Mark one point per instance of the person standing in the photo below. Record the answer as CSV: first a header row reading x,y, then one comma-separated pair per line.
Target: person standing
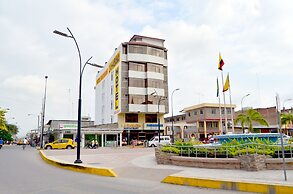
x,y
24,143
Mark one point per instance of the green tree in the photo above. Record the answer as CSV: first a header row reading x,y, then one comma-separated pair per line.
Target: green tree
x,y
2,120
286,118
249,117
12,129
5,135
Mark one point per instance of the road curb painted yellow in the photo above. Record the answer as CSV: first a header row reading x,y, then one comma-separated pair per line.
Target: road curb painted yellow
x,y
79,168
230,185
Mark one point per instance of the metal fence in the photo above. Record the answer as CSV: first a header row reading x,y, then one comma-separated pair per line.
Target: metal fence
x,y
219,151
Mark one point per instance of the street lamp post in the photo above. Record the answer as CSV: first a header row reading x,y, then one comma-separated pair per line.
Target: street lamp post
x,y
43,114
242,101
38,124
159,122
172,139
81,69
242,107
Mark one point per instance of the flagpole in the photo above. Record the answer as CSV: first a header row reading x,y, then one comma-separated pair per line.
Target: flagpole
x,y
225,111
221,127
231,106
218,95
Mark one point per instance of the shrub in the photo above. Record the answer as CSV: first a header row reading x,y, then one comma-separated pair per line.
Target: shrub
x,y
170,149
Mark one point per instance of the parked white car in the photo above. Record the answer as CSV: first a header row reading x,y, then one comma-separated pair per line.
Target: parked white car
x,y
164,140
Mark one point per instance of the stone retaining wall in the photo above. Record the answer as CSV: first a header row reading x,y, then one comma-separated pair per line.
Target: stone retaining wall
x,y
251,162
277,163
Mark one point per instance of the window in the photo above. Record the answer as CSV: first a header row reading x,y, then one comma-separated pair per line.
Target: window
x,y
136,82
151,118
137,49
214,111
112,75
137,99
124,51
147,50
209,124
215,124
131,118
195,112
229,111
136,66
189,114
155,52
154,83
200,124
155,68
201,111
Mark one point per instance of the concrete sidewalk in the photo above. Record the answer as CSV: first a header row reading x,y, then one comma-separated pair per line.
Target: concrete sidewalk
x,y
140,163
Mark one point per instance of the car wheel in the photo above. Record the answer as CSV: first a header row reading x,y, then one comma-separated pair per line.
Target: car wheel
x,y
69,147
48,148
153,145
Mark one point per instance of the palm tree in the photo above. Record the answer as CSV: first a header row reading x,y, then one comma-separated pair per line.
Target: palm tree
x,y
249,117
286,118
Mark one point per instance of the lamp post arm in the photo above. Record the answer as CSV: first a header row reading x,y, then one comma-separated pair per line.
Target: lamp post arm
x,y
85,65
77,49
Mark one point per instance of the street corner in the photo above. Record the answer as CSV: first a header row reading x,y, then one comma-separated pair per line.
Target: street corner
x,y
78,167
229,185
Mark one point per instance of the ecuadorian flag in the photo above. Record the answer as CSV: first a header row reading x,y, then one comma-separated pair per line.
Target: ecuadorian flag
x,y
221,62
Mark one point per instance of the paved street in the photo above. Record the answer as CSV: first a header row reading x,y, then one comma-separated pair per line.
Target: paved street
x,y
25,172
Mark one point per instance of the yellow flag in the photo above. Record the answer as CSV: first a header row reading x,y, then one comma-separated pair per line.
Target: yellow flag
x,y
227,84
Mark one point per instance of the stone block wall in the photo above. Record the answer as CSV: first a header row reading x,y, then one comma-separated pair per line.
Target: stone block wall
x,y
216,163
250,162
253,162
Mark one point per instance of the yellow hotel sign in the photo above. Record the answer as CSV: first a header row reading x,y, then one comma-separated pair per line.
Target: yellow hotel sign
x,y
110,68
116,88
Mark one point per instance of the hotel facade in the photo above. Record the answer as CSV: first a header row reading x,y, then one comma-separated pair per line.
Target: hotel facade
x,y
131,91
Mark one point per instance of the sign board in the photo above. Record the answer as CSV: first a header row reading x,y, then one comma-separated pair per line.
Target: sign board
x,y
132,126
67,126
153,125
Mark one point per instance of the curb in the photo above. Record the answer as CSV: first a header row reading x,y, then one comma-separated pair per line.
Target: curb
x,y
230,185
79,168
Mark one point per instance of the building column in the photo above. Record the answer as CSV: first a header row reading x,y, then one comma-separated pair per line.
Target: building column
x,y
220,127
102,141
116,144
182,131
205,128
197,125
120,139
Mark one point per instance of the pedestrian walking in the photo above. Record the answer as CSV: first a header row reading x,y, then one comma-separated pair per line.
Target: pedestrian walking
x,y
24,143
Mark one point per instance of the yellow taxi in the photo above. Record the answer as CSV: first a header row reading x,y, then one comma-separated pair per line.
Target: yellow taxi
x,y
63,143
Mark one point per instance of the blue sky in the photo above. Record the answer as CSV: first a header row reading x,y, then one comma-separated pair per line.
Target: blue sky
x,y
254,38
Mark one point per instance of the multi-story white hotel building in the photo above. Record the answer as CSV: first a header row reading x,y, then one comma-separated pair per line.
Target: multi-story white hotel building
x,y
129,87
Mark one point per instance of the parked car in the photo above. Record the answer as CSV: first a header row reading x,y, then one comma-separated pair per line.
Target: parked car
x,y
164,140
63,143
